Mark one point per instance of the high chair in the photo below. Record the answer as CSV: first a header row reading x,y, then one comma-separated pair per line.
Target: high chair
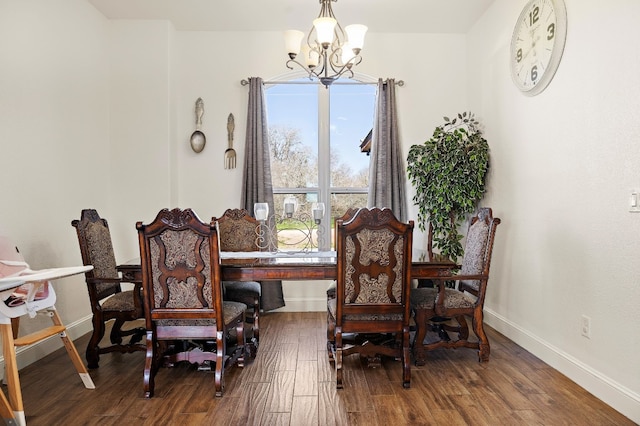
x,y
38,297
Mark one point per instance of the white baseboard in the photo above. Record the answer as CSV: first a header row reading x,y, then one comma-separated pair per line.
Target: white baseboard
x,y
603,387
307,304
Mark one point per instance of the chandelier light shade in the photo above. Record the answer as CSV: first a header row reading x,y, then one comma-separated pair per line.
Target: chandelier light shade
x,y
328,51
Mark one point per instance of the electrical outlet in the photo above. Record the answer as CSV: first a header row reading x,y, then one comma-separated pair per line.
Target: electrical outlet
x,y
586,326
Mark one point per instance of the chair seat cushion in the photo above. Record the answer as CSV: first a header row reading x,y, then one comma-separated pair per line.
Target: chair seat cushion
x,y
332,308
119,302
425,298
242,291
230,311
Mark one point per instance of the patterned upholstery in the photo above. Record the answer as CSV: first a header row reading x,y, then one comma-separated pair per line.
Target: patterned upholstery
x,y
425,298
181,248
103,281
475,250
373,287
332,307
100,249
331,289
237,231
431,304
472,264
183,294
375,248
230,311
120,302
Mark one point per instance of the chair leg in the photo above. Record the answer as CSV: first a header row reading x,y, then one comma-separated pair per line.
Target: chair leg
x,y
419,352
149,365
256,319
116,332
338,358
331,340
220,351
463,331
241,343
93,349
406,360
483,341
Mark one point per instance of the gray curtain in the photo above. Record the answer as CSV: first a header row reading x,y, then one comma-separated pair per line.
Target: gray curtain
x,y
387,178
256,181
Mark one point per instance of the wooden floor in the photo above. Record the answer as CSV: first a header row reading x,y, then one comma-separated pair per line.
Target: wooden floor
x,y
291,382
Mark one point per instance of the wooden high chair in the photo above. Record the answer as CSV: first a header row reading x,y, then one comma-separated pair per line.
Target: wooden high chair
x,y
12,410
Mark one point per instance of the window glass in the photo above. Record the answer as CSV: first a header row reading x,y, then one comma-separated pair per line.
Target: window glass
x,y
315,137
351,121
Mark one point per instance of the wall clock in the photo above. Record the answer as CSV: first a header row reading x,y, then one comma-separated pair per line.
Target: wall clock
x,y
537,44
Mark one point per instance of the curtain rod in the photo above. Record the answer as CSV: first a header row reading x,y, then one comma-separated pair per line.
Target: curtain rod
x,y
245,82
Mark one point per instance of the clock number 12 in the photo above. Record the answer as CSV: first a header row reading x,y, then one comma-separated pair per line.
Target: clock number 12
x,y
533,15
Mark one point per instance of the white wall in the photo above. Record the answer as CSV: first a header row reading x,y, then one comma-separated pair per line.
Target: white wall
x,y
143,172
563,165
54,136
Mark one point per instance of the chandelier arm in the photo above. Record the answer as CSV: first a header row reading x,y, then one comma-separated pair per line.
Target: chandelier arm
x,y
311,71
341,69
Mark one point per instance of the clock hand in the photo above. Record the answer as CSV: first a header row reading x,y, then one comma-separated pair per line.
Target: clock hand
x,y
532,48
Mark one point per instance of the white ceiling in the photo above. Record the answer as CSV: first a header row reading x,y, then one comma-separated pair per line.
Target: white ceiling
x,y
396,16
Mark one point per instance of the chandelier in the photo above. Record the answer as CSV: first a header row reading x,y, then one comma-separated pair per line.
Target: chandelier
x,y
329,51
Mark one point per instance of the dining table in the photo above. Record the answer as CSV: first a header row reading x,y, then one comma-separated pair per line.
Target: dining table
x,y
297,266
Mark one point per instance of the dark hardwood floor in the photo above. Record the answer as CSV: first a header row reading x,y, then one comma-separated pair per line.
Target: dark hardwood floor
x,y
292,383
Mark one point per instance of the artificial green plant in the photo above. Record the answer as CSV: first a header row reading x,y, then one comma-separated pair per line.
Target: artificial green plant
x,y
448,172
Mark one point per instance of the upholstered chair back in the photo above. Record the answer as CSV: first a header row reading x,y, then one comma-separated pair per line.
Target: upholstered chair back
x,y
476,253
374,260
238,231
97,249
181,271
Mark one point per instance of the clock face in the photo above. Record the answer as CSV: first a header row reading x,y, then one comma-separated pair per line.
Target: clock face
x,y
537,44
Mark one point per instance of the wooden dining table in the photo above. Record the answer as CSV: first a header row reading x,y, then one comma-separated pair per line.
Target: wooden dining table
x,y
297,266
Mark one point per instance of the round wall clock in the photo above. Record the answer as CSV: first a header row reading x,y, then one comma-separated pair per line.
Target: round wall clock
x,y
537,44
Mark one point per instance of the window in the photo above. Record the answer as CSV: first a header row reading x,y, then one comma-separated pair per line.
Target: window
x,y
315,136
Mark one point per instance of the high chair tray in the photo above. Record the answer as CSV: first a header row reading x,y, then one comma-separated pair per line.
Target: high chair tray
x,y
42,275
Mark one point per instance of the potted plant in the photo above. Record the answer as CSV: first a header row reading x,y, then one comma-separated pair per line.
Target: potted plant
x,y
448,172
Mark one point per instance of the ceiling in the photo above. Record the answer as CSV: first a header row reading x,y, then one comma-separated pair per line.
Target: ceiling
x,y
391,16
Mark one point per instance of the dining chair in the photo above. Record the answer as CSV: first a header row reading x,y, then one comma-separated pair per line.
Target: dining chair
x,y
183,300
432,306
351,211
372,288
331,290
106,296
238,233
